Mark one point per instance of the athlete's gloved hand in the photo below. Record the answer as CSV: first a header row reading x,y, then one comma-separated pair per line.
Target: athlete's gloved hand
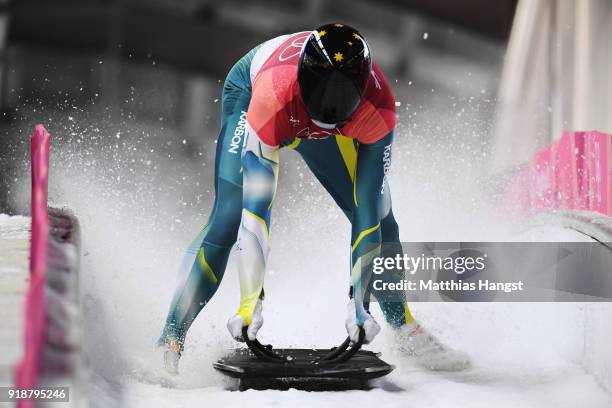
x,y
370,326
236,323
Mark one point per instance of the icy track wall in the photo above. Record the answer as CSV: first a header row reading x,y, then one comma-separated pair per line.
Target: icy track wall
x,y
569,184
591,321
52,340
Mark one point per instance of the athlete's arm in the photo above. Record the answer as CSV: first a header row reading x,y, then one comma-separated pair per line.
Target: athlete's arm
x,y
373,162
260,174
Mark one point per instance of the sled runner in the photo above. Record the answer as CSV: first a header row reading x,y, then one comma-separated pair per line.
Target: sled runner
x,y
339,368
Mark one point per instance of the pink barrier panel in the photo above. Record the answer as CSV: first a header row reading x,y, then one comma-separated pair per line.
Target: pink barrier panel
x,y
27,372
574,173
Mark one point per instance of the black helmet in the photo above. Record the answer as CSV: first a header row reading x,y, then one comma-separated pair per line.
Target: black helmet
x,y
333,72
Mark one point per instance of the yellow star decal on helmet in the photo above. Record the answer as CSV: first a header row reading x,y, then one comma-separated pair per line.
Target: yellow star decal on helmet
x,y
322,33
339,25
338,56
357,36
350,43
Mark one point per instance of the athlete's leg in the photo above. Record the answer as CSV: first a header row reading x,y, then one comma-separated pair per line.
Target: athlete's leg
x,y
332,161
333,168
396,313
204,263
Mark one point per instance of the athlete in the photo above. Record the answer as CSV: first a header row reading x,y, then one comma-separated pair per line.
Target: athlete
x,y
319,93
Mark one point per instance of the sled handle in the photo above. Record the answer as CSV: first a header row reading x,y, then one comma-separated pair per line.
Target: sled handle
x,y
262,352
336,351
342,353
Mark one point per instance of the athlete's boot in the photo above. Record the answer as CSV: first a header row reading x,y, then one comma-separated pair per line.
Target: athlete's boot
x,y
422,346
171,354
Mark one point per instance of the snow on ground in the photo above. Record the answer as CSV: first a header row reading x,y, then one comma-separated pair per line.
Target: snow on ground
x,y
514,365
14,247
547,387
